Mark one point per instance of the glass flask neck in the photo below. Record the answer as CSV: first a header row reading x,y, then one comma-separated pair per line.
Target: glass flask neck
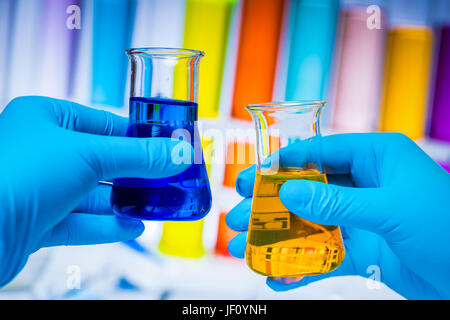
x,y
167,73
279,125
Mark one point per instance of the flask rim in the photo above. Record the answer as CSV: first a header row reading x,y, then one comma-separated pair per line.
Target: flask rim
x,y
284,105
165,52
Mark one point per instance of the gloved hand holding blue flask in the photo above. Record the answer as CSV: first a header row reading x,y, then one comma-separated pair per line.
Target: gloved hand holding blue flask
x,y
53,153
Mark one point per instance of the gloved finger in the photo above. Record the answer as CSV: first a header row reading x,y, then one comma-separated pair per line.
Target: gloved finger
x,y
97,201
363,208
237,245
346,268
321,150
335,153
238,217
309,153
111,157
245,182
73,116
350,154
84,229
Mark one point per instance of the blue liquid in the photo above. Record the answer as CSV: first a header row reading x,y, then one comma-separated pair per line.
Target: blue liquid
x,y
186,196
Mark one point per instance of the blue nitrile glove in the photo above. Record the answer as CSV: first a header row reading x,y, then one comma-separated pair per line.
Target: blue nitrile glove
x,y
391,200
52,155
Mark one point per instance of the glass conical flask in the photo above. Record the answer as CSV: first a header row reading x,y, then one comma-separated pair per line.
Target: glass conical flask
x,y
164,85
279,243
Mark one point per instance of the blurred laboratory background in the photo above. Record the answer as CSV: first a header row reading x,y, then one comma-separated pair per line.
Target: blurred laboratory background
x,y
380,65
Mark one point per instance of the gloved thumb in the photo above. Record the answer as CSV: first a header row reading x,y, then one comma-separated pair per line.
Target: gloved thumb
x,y
362,208
153,158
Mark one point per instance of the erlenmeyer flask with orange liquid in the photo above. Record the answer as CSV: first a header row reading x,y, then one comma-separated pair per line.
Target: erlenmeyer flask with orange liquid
x,y
279,243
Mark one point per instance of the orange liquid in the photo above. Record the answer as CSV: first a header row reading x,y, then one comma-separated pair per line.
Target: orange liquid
x,y
240,156
257,55
224,235
281,244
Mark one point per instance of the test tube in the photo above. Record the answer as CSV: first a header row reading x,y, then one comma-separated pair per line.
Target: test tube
x,y
182,239
186,239
407,69
6,24
206,29
239,156
439,127
55,70
257,54
445,165
312,29
359,65
26,39
224,235
80,89
113,23
208,153
158,23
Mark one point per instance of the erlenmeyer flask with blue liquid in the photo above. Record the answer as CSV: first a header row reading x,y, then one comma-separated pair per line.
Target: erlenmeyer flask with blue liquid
x,y
163,103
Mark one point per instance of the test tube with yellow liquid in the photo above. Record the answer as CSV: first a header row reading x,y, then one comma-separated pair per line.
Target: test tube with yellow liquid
x,y
408,65
206,28
280,243
185,238
408,62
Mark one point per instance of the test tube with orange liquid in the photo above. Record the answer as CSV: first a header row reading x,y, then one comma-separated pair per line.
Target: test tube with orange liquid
x,y
261,26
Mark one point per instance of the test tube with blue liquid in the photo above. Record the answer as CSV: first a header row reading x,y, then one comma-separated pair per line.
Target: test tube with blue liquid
x,y
163,101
